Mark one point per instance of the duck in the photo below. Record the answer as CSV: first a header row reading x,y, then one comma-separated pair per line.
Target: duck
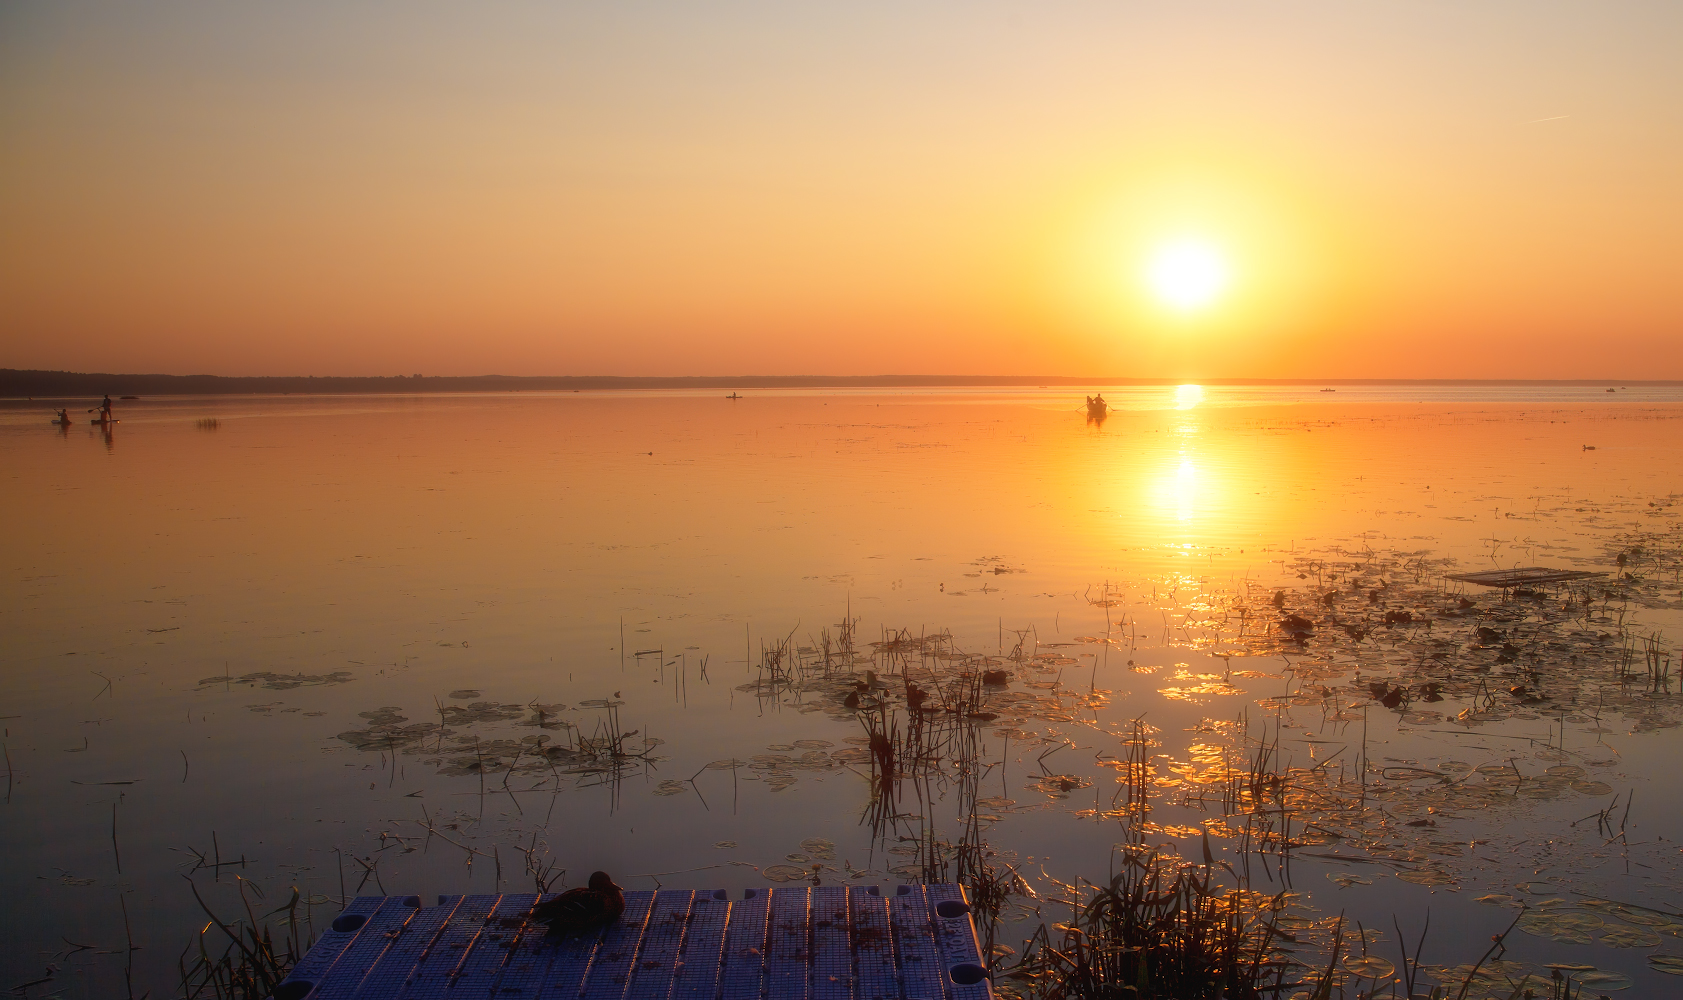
x,y
601,903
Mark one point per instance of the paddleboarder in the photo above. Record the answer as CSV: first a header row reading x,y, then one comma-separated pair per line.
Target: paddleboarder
x,y
105,410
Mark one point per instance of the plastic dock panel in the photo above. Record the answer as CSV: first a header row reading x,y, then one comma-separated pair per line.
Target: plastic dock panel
x,y
788,945
921,975
873,947
308,974
955,937
663,940
832,959
616,953
354,964
490,950
700,960
393,970
535,952
743,974
437,972
572,956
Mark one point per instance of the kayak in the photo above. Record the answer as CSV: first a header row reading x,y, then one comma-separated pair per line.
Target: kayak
x,y
63,423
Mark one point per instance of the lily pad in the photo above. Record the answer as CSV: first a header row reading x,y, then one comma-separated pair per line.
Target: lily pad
x,y
1497,899
1643,917
1602,979
1369,967
1629,937
1571,927
1671,965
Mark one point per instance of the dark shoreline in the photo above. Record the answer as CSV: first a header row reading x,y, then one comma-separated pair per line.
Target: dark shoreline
x,y
20,383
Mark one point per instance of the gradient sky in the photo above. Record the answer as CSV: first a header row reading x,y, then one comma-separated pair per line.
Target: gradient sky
x,y
1401,189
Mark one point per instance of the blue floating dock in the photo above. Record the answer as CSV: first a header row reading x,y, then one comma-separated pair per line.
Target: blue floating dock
x,y
915,942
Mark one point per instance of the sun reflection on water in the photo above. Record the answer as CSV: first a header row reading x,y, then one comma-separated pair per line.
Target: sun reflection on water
x,y
1188,396
1185,488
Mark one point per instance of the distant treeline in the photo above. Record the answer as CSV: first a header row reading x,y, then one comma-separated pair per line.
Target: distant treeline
x,y
23,382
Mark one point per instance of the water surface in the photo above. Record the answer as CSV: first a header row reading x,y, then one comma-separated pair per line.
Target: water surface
x,y
201,617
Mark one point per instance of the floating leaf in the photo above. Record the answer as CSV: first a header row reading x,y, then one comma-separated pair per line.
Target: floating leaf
x,y
725,845
784,873
1629,937
1496,899
1369,967
1571,927
1428,876
1631,915
1602,979
1671,965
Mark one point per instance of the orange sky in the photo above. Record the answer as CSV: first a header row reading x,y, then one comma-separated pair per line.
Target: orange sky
x,y
1420,189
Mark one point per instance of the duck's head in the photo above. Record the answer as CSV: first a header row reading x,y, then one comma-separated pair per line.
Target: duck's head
x,y
602,881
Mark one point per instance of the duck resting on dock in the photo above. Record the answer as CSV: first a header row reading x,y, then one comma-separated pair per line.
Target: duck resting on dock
x,y
582,909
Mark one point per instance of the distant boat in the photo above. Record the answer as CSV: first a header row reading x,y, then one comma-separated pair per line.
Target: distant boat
x,y
738,396
1612,390
128,397
1329,390
1097,407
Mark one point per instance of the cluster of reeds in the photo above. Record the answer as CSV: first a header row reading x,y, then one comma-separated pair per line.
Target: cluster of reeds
x,y
252,961
1159,928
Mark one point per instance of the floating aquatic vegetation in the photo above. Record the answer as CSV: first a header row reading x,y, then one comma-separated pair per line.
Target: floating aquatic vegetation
x,y
448,745
1059,785
1574,928
271,681
1671,965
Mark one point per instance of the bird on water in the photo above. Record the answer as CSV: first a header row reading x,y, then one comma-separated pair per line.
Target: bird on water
x,y
602,902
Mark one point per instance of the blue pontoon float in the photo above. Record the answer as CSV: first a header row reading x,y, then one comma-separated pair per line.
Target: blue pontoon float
x,y
913,942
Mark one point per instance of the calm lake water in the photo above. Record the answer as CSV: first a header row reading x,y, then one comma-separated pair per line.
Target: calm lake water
x,y
224,618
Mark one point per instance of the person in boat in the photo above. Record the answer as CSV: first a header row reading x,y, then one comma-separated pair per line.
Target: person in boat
x,y
63,418
105,409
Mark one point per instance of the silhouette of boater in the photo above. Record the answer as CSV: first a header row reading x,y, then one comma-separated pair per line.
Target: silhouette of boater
x,y
582,909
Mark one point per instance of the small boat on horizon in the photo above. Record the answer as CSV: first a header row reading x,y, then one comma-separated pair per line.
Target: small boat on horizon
x,y
1097,408
734,396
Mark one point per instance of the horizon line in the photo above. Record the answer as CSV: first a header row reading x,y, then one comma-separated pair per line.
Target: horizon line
x,y
38,383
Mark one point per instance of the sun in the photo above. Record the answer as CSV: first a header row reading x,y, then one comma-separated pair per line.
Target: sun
x,y
1187,275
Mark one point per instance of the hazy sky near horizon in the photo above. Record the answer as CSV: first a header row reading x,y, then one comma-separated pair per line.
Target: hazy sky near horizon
x,y
1392,189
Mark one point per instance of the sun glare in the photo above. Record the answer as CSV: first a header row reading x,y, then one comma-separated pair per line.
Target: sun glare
x,y
1187,275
